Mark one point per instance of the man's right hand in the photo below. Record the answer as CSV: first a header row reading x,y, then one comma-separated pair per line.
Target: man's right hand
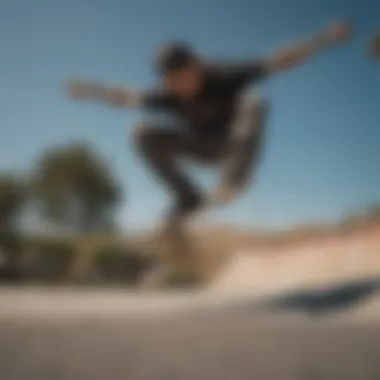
x,y
114,96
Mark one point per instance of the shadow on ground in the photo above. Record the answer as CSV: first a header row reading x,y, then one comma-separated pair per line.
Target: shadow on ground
x,y
331,299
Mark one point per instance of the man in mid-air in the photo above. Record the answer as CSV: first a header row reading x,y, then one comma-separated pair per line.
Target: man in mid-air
x,y
374,47
213,119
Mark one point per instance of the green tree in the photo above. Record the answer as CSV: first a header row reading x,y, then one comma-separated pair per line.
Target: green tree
x,y
12,197
75,189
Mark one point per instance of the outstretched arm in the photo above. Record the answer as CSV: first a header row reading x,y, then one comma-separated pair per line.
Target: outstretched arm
x,y
375,46
114,96
299,52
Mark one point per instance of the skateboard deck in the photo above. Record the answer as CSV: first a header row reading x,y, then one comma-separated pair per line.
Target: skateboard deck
x,y
177,266
180,252
178,241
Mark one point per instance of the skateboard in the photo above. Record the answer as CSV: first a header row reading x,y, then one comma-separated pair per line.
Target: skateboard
x,y
179,246
177,265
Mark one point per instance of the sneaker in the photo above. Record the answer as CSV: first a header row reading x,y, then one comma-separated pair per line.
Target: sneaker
x,y
183,209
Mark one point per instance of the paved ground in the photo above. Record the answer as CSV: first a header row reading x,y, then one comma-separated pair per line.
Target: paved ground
x,y
49,336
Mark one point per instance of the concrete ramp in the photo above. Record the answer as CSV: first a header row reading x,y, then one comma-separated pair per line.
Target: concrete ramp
x,y
306,264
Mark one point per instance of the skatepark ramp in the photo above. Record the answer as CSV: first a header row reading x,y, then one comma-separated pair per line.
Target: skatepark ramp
x,y
292,267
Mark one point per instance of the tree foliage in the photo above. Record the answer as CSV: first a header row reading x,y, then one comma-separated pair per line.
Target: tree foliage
x,y
12,197
75,189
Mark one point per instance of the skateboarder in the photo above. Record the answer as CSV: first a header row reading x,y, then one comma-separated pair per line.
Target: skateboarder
x,y
374,46
213,122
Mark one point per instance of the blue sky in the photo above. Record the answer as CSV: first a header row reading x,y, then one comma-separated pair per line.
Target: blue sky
x,y
323,147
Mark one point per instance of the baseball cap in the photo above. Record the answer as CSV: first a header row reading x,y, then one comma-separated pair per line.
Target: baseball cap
x,y
173,56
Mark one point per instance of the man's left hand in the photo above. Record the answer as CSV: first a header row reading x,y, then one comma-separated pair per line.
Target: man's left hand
x,y
338,32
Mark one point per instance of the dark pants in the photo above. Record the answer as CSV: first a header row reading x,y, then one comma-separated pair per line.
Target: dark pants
x,y
162,148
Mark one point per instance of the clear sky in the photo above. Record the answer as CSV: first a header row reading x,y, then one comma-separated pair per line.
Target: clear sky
x,y
323,148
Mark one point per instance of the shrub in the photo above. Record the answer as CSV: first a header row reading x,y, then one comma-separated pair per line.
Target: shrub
x,y
168,276
10,257
115,265
48,261
182,279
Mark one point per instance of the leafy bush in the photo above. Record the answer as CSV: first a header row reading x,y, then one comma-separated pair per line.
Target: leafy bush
x,y
183,279
115,265
48,261
165,276
10,257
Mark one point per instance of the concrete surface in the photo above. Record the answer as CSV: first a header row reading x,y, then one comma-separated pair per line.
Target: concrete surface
x,y
98,335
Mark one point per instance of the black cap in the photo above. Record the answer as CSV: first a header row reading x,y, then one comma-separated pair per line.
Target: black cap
x,y
173,56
